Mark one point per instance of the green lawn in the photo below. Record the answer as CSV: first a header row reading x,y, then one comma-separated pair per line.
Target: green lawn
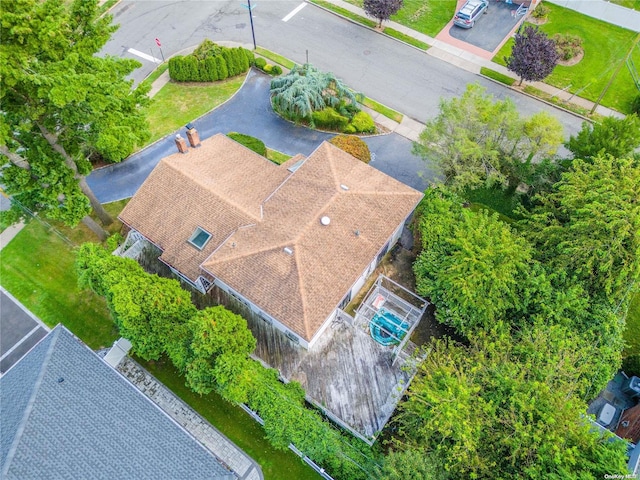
x,y
277,157
605,46
634,4
238,426
177,104
632,333
38,269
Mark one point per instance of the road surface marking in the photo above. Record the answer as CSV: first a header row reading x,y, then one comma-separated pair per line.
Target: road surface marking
x,y
25,338
144,55
294,11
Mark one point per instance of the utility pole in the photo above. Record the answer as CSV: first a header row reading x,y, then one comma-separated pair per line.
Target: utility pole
x,y
253,33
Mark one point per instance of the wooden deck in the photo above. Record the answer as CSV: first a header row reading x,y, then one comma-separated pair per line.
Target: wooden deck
x,y
347,374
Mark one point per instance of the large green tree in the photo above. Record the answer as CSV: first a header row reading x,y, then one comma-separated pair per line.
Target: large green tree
x,y
589,225
62,104
508,407
614,136
472,266
477,140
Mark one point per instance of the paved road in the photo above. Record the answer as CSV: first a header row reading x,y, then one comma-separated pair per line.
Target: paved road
x,y
402,77
249,112
20,330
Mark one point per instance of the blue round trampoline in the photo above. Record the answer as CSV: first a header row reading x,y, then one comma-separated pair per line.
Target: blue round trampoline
x,y
387,329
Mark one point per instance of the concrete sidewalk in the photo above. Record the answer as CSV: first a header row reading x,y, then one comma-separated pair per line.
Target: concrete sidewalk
x,y
471,62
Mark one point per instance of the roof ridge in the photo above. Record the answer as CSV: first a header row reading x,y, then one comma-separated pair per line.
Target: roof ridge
x,y
196,180
246,254
303,297
55,333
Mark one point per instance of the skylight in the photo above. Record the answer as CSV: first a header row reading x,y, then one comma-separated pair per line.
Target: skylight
x,y
199,238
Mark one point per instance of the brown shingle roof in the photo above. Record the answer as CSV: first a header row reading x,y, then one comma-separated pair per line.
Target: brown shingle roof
x,y
254,209
632,428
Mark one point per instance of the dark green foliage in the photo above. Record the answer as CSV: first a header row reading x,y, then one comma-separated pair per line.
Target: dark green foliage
x,y
250,142
503,408
211,348
361,123
250,56
413,464
330,119
615,136
353,146
276,70
260,62
631,365
635,105
210,62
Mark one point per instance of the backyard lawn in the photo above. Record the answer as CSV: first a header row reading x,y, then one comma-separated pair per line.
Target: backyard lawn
x,y
632,332
177,104
605,46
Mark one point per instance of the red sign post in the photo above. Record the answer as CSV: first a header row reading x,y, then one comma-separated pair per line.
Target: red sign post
x,y
160,47
158,42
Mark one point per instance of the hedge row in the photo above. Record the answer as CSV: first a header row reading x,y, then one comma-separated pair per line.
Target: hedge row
x,y
228,63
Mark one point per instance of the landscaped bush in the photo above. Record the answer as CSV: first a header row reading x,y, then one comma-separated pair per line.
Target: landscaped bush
x,y
276,70
267,68
260,62
353,146
210,62
252,143
540,12
568,46
361,123
329,118
635,105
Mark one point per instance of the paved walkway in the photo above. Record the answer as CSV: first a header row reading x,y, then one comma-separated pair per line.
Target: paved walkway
x,y
603,10
223,448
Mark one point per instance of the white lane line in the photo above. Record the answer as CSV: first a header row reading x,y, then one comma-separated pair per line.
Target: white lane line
x,y
294,11
24,339
144,55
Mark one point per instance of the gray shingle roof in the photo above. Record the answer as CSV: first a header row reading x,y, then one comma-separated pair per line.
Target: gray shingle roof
x,y
64,413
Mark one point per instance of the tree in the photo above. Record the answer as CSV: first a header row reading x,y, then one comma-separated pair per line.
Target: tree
x,y
533,56
476,140
472,266
220,347
590,225
508,407
353,145
381,10
305,89
413,464
61,104
617,137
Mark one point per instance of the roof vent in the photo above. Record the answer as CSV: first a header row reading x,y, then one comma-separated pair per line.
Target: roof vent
x,y
288,251
344,187
60,380
357,232
325,220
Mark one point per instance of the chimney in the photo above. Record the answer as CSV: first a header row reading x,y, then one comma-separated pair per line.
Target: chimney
x,y
192,135
181,144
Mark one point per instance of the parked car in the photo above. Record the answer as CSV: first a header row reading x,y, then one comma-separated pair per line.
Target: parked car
x,y
469,13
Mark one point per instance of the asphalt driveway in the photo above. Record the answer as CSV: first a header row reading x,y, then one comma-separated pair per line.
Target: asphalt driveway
x,y
490,29
250,112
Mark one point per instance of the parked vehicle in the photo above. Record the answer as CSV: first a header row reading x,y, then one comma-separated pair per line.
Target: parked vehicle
x,y
469,13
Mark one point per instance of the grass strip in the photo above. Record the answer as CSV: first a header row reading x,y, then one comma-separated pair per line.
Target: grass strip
x,y
235,424
177,104
345,13
406,38
106,6
274,57
632,331
153,76
497,76
561,103
277,157
382,109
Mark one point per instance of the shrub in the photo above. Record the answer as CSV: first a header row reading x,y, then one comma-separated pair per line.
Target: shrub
x,y
210,62
540,12
362,123
252,143
276,70
207,49
250,56
329,118
353,146
567,45
260,62
631,365
267,68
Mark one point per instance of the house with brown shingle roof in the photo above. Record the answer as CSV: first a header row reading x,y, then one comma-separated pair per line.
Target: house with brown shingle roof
x,y
293,242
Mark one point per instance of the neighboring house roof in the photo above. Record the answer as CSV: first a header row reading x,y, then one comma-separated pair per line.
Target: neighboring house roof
x,y
67,414
255,209
629,425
